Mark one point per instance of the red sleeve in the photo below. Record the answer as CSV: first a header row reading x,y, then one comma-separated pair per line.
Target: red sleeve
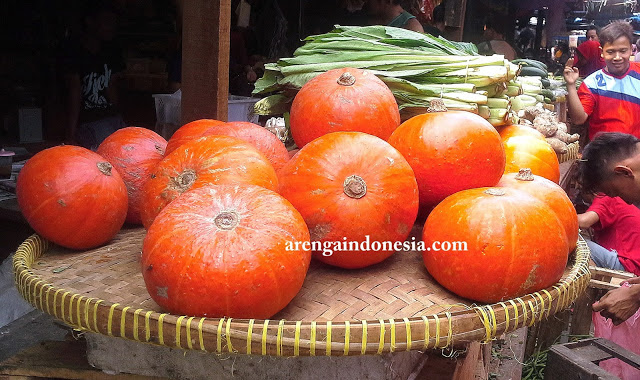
x,y
605,208
586,98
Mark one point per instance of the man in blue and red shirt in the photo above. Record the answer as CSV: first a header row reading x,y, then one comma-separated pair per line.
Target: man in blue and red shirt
x,y
610,97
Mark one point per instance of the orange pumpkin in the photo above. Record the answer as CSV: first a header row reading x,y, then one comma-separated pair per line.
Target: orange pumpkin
x,y
519,130
190,131
449,152
344,99
551,194
134,152
352,187
529,152
266,142
226,251
205,161
72,197
515,244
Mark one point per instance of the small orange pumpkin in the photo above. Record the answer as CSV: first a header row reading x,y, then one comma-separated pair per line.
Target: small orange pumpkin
x,y
344,99
515,244
208,160
551,194
450,151
188,132
519,130
529,152
350,187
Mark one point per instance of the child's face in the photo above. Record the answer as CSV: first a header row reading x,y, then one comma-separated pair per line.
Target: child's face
x,y
616,55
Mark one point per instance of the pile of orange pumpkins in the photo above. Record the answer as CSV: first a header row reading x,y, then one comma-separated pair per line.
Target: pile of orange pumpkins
x,y
230,216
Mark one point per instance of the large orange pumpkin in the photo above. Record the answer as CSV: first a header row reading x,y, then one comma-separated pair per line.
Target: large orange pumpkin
x,y
449,152
204,161
190,131
515,244
265,141
223,250
72,197
551,194
351,187
529,152
134,152
344,99
519,130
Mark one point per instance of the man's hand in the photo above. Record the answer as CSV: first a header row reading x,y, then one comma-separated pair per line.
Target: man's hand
x,y
620,304
570,73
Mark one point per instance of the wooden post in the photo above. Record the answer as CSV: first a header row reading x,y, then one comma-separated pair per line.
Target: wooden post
x,y
454,18
205,59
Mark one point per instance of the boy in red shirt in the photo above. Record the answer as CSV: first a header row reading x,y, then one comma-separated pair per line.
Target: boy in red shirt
x,y
610,97
617,230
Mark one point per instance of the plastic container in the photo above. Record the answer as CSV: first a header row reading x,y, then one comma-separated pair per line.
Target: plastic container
x,y
168,108
6,159
241,109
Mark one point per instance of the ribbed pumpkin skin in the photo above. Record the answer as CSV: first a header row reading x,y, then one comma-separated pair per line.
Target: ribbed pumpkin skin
x,y
190,131
191,266
515,245
313,181
323,106
67,199
519,130
266,142
208,160
551,194
449,152
134,152
529,152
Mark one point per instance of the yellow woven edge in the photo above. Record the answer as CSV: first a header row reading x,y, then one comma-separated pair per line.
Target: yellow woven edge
x,y
295,338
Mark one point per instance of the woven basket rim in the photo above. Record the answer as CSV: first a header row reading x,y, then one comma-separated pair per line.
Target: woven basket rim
x,y
295,338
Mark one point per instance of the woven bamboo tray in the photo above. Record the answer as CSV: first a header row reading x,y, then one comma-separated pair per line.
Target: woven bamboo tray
x,y
393,306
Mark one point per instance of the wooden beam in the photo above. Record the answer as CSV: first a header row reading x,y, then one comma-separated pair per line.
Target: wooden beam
x,y
454,18
205,59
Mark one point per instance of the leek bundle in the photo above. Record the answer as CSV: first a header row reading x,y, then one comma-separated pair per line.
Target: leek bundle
x,y
416,67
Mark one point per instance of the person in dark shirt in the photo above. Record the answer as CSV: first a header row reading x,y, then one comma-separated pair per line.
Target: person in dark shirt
x,y
438,22
391,13
93,65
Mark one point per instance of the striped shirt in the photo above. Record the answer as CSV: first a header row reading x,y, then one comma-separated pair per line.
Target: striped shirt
x,y
612,102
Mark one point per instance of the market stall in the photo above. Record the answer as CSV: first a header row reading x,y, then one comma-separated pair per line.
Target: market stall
x,y
394,307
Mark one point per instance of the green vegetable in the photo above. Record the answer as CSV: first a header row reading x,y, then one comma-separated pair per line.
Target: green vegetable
x,y
416,67
533,71
530,63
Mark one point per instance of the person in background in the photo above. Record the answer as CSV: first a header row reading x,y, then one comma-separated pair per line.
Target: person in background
x,y
616,226
437,22
637,56
610,164
391,13
494,40
610,97
93,67
588,58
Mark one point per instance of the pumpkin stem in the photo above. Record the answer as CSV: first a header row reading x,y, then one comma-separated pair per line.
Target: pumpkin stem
x,y
524,175
346,79
495,192
105,168
183,181
226,220
354,186
436,105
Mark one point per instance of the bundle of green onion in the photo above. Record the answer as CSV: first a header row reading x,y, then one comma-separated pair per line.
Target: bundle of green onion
x,y
417,68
